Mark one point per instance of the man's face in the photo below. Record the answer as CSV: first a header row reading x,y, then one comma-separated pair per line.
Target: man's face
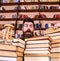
x,y
28,28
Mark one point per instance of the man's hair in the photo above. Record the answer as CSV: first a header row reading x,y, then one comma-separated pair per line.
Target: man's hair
x,y
28,20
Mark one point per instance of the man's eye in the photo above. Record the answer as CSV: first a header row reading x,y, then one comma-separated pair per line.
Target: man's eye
x,y
31,25
26,25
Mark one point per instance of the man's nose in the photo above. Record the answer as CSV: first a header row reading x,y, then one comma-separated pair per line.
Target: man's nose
x,y
28,27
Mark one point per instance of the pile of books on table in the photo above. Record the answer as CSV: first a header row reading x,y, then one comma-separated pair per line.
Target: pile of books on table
x,y
55,44
37,49
12,52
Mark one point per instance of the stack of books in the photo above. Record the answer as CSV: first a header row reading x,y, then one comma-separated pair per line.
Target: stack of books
x,y
20,48
19,42
55,44
7,53
55,48
14,52
37,49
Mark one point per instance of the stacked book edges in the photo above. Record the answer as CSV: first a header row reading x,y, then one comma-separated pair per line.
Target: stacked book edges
x,y
36,58
19,42
52,30
55,56
11,53
40,45
37,48
55,43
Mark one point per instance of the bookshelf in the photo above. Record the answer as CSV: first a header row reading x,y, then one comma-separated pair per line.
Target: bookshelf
x,y
17,20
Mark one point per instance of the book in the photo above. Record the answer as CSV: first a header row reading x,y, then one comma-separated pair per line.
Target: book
x,y
39,49
18,41
37,45
39,38
36,58
37,41
7,47
56,41
8,59
51,30
55,59
19,58
36,52
19,44
55,45
54,34
8,54
55,49
20,49
55,55
37,55
19,54
55,37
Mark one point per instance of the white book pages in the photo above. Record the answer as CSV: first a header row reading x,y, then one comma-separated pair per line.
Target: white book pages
x,y
55,45
38,41
54,34
19,40
36,59
57,49
36,52
19,44
37,45
37,49
8,59
55,37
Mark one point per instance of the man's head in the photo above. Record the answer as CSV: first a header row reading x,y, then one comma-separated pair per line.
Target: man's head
x,y
28,27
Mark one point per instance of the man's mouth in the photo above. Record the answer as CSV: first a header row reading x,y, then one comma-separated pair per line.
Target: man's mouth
x,y
28,32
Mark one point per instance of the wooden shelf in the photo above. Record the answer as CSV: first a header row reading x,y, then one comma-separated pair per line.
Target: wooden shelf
x,y
39,3
9,4
49,19
30,3
33,10
8,11
8,19
17,19
56,10
13,11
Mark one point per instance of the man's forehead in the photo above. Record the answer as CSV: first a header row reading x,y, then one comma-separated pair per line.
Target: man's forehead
x,y
28,23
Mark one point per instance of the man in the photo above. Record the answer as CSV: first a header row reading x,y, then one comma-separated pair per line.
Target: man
x,y
28,28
